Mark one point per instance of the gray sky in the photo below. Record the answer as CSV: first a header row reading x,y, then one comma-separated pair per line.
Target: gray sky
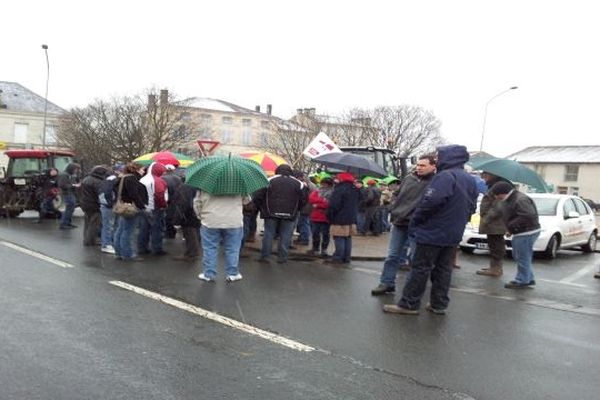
x,y
450,57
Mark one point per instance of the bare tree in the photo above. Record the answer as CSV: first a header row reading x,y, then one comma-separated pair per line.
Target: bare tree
x,y
123,128
405,129
288,139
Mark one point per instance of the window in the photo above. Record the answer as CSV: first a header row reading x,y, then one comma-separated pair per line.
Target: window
x,y
264,138
546,206
226,136
246,137
581,207
246,122
227,120
206,117
264,124
540,169
24,166
186,116
568,207
571,172
21,133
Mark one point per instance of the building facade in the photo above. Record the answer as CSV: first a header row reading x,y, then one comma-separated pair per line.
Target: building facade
x,y
569,169
22,119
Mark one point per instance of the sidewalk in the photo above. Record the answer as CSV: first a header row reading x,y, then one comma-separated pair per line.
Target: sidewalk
x,y
364,248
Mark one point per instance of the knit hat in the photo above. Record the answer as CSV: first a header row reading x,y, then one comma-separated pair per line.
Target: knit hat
x,y
501,188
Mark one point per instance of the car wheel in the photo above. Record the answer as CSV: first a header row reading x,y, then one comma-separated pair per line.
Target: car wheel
x,y
590,246
552,247
468,250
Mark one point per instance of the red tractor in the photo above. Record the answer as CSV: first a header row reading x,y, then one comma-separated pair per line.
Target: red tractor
x,y
20,186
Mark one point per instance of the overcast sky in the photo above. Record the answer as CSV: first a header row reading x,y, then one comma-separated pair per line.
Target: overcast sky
x,y
450,57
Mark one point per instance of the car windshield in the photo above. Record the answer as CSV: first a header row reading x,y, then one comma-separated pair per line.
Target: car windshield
x,y
24,166
546,206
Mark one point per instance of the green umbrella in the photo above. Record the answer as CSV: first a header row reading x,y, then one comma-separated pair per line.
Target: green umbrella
x,y
389,179
226,175
513,171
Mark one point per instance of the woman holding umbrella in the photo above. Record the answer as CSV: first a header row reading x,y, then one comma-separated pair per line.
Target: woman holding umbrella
x,y
342,211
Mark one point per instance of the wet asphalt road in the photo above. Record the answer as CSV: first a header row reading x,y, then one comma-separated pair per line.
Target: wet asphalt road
x,y
67,333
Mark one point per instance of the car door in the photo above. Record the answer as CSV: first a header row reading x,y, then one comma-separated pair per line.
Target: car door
x,y
571,227
587,218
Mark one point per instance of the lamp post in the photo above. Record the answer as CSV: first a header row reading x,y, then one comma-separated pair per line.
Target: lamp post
x,y
45,47
486,109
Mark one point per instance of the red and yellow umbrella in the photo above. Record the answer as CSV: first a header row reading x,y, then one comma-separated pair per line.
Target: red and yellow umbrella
x,y
267,161
165,157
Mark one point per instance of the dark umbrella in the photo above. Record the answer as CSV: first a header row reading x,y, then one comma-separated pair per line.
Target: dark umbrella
x,y
513,171
358,165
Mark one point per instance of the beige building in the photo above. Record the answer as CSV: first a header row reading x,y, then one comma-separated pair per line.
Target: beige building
x,y
569,169
22,119
238,129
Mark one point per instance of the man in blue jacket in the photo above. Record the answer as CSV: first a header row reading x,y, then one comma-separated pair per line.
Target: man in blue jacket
x,y
437,225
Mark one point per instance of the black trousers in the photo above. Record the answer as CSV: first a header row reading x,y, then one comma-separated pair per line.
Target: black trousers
x,y
433,262
497,250
92,224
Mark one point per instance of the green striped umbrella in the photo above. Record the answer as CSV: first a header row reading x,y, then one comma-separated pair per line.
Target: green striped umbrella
x,y
226,175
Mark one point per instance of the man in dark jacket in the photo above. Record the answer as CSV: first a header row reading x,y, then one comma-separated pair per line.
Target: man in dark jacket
x,y
173,182
492,225
522,222
67,183
183,215
90,203
437,225
279,204
410,194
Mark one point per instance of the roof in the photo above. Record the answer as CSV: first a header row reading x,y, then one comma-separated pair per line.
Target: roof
x,y
558,154
219,105
18,98
36,153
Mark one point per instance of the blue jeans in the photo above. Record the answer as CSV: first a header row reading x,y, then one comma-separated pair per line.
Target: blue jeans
x,y
108,220
151,226
70,201
211,239
397,248
122,239
522,251
304,228
433,262
285,228
360,222
385,216
343,248
320,236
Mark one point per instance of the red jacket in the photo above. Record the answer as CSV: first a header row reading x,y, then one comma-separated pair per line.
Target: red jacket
x,y
319,211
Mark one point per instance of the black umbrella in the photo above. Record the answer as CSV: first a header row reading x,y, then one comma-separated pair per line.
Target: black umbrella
x,y
358,165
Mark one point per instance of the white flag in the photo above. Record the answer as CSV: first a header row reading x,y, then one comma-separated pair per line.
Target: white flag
x,y
320,145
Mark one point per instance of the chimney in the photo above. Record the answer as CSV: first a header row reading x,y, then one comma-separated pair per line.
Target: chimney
x,y
298,111
164,98
257,108
269,109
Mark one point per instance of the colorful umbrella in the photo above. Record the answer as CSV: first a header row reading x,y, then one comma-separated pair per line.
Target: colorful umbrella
x,y
165,157
226,175
267,161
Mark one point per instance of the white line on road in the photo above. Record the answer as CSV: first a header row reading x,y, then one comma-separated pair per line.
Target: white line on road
x,y
579,274
564,283
216,317
37,255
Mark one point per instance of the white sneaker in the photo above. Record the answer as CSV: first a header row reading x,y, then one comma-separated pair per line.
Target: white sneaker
x,y
205,278
233,278
108,249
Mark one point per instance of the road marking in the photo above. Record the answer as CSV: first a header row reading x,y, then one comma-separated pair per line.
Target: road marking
x,y
272,337
37,255
564,283
579,274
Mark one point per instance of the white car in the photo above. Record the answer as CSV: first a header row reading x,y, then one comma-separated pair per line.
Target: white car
x,y
567,221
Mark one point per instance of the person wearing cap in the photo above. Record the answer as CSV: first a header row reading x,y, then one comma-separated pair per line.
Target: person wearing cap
x,y
520,216
437,225
319,201
492,225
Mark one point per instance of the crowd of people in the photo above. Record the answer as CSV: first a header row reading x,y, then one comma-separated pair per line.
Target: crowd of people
x,y
425,214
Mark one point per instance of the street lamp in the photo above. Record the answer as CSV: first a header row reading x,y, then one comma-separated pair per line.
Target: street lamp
x,y
45,47
486,109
